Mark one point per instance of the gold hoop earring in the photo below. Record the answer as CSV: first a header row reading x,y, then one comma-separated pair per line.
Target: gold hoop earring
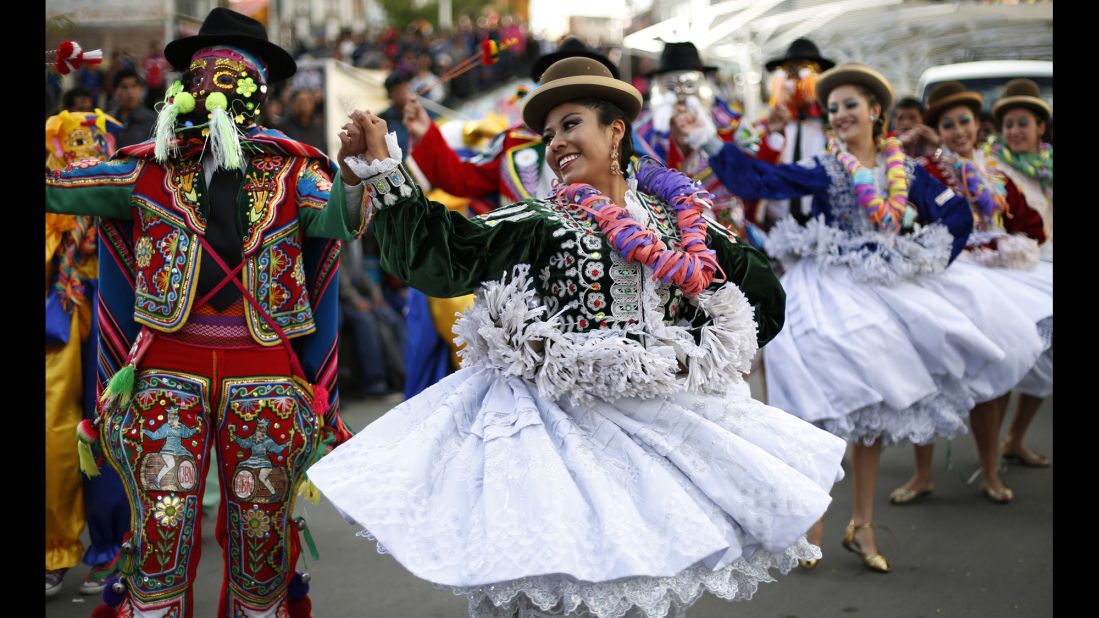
x,y
616,170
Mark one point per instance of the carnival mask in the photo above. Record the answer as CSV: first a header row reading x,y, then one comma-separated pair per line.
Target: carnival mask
x,y
218,98
72,136
688,88
795,85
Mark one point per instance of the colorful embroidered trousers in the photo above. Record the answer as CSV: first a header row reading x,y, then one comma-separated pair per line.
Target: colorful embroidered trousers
x,y
188,402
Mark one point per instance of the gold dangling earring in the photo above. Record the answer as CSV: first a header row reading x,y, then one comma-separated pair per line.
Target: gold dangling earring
x,y
616,170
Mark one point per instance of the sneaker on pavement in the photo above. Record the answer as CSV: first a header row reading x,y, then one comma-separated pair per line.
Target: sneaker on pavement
x,y
96,579
53,581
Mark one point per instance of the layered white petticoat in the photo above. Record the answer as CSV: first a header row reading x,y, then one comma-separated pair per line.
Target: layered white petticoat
x,y
882,340
1033,287
532,493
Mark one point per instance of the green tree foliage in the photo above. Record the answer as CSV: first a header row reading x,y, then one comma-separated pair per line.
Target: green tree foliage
x,y
403,12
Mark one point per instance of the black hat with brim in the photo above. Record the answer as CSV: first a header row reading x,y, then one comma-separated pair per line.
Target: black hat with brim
x,y
678,57
225,27
569,48
801,50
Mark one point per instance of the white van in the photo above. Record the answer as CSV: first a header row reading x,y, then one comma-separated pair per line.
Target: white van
x,y
989,77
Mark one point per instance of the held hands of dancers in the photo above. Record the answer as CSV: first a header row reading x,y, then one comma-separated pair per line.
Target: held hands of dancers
x,y
366,147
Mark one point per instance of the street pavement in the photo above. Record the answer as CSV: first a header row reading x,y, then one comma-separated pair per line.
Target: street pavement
x,y
953,554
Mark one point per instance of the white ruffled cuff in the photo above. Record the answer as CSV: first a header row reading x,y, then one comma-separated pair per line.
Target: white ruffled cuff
x,y
377,167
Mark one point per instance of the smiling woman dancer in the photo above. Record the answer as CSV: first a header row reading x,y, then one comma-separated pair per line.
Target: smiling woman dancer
x,y
1005,240
883,343
599,453
1021,154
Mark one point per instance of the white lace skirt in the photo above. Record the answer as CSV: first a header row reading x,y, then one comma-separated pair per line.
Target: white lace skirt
x,y
530,505
1032,291
903,362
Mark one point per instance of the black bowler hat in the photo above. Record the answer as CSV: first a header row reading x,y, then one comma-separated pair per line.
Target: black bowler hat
x,y
569,48
681,57
801,50
225,27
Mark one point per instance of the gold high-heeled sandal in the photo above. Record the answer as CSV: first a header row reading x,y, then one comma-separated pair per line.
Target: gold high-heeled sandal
x,y
808,565
1037,461
875,562
904,495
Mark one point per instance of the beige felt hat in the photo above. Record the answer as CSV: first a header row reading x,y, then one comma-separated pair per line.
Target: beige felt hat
x,y
948,95
855,73
577,78
1022,93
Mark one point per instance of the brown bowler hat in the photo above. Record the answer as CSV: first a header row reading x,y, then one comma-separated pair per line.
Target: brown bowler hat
x,y
946,96
858,74
1022,93
577,78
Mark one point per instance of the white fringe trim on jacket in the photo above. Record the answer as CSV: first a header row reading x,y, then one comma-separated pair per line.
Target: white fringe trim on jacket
x,y
506,329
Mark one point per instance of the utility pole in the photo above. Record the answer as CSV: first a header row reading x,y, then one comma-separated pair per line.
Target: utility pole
x,y
169,21
446,18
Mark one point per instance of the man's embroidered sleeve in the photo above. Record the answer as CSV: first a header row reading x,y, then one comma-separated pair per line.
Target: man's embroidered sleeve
x,y
93,187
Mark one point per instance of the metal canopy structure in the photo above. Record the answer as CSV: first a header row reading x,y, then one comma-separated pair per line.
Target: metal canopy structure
x,y
900,38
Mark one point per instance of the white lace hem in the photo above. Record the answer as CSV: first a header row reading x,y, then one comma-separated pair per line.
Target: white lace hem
x,y
871,257
941,415
651,597
1014,251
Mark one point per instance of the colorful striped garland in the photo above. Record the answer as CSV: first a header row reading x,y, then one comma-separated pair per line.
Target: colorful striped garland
x,y
691,268
887,213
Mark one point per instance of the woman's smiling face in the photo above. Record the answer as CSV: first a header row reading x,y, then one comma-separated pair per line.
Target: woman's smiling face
x,y
958,130
1022,130
849,113
578,147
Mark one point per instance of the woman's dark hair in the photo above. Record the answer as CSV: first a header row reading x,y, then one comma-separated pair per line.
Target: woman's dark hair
x,y
609,112
872,99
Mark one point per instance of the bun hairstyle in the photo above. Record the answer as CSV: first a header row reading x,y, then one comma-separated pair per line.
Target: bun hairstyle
x,y
609,112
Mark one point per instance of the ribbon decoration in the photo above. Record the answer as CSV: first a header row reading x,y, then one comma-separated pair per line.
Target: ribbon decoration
x,y
69,57
489,54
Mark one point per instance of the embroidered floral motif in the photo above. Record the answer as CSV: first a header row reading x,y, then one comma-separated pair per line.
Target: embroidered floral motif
x,y
169,511
299,271
143,252
267,163
594,270
246,87
257,524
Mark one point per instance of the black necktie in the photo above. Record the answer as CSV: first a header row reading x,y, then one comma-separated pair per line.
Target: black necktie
x,y
795,203
223,232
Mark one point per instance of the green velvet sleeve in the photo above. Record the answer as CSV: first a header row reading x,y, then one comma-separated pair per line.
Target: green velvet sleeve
x,y
444,254
102,189
750,270
322,204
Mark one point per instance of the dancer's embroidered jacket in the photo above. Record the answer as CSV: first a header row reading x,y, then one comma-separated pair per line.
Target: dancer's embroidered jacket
x,y
292,216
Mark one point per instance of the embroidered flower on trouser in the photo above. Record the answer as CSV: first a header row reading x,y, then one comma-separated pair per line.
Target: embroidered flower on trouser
x,y
169,511
256,523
